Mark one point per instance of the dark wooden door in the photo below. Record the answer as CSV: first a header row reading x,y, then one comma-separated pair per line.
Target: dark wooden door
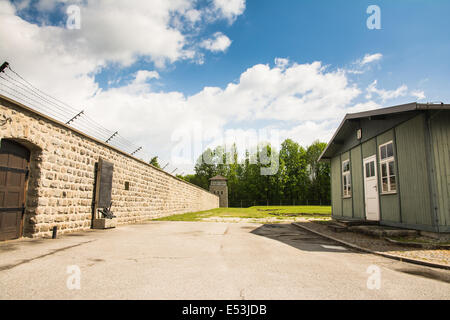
x,y
14,160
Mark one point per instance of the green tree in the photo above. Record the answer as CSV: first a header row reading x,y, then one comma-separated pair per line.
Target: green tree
x,y
319,174
298,176
154,162
294,180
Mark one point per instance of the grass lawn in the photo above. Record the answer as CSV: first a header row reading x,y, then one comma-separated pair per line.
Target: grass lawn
x,y
263,212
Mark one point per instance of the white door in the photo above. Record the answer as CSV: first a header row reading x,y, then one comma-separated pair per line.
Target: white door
x,y
371,189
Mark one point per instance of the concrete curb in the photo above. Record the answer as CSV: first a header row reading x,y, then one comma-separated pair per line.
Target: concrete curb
x,y
386,255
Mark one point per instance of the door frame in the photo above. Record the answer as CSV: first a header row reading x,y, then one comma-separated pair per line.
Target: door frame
x,y
372,158
26,171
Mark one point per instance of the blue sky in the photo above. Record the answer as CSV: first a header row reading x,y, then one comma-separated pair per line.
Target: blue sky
x,y
414,40
151,69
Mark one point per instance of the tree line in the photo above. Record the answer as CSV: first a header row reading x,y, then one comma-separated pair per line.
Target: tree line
x,y
298,178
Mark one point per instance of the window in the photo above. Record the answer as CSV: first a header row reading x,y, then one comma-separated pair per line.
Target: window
x,y
370,169
387,164
127,185
346,179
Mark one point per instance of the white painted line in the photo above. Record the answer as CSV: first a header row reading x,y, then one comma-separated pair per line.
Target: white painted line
x,y
333,247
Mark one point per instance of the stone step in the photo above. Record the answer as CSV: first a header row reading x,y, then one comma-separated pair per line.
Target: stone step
x,y
336,227
379,231
349,223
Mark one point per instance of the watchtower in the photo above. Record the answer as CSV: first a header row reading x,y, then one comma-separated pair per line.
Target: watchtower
x,y
218,186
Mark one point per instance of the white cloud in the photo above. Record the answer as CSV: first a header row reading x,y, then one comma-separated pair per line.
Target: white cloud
x,y
230,9
362,65
304,101
193,15
144,75
385,94
218,43
281,63
310,131
363,106
369,58
8,9
419,94
113,33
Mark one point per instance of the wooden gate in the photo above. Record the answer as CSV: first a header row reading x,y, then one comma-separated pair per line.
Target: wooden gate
x,y
14,159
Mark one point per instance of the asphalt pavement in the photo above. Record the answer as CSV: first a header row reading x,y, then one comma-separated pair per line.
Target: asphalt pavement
x,y
205,260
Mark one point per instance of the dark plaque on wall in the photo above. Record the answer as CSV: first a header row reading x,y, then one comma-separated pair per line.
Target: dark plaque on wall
x,y
104,176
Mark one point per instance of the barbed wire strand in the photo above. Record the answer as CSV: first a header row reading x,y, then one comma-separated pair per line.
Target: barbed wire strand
x,y
24,91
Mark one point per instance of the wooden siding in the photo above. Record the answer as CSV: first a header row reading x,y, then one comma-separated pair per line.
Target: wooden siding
x,y
413,172
370,129
390,210
336,187
369,148
347,207
389,203
440,137
358,183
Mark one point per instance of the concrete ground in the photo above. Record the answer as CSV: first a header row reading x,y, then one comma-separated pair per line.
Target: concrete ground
x,y
202,260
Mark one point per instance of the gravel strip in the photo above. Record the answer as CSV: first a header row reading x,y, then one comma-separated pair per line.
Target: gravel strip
x,y
438,256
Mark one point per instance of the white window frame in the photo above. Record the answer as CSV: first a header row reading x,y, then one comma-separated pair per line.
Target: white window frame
x,y
346,188
390,174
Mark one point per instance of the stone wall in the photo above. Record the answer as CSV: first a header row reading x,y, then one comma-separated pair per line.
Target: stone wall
x,y
62,170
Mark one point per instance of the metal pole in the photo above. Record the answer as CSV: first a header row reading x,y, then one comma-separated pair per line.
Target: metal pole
x,y
78,114
165,166
109,139
136,150
4,66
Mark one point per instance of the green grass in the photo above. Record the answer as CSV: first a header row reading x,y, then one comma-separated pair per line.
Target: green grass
x,y
263,212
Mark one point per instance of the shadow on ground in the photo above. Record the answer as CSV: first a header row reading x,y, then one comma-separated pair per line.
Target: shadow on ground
x,y
308,241
376,243
297,238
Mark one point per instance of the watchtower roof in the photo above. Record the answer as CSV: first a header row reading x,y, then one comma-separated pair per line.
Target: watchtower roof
x,y
219,178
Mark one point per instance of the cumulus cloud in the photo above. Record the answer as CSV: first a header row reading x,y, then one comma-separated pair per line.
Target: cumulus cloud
x,y
113,33
230,9
218,43
304,101
144,75
281,62
418,94
301,101
385,94
363,106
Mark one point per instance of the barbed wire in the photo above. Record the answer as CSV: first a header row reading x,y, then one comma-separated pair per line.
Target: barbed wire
x,y
15,86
